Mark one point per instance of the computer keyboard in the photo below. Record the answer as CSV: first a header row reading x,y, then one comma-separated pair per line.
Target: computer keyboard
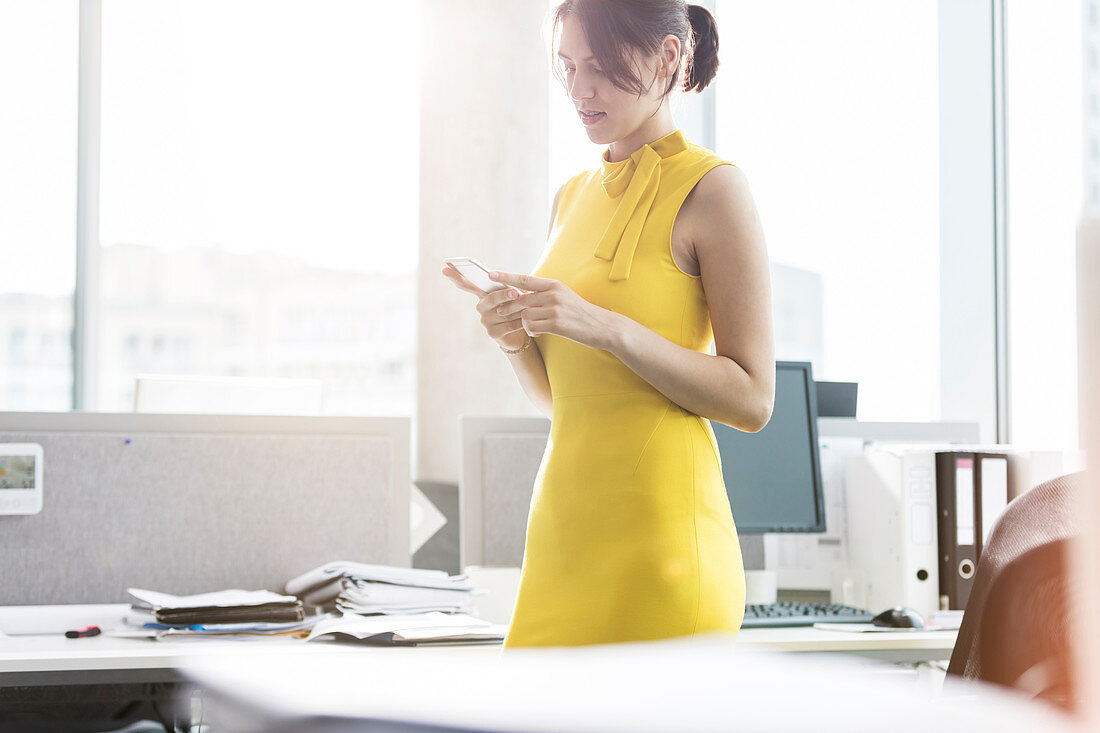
x,y
789,613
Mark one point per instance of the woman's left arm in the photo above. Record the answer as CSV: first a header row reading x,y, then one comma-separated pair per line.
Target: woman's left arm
x,y
736,385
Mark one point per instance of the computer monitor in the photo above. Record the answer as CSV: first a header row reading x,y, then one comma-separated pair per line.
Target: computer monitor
x,y
773,477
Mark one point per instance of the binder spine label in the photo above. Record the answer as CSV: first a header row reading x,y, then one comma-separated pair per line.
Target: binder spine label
x,y
994,492
964,501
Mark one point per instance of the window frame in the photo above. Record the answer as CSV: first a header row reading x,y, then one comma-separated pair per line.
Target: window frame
x,y
86,293
974,368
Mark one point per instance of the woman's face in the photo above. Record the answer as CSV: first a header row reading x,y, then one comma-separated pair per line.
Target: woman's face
x,y
619,113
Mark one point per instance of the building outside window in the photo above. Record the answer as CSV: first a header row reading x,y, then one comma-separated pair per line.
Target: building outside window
x,y
259,198
38,96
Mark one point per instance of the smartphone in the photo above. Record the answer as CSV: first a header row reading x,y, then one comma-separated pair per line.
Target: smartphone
x,y
475,272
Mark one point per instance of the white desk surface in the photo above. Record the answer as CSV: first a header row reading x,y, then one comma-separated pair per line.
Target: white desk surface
x,y
55,653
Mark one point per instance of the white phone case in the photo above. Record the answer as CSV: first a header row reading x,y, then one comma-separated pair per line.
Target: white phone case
x,y
475,272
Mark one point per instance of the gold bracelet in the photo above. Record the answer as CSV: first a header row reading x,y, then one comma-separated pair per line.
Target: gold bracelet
x,y
526,344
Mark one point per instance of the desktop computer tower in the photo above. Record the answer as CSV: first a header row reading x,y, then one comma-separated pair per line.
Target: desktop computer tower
x,y
892,532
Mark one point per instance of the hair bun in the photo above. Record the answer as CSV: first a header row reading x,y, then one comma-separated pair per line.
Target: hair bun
x,y
703,64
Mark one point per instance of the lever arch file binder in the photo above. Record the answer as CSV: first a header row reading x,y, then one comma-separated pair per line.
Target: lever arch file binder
x,y
971,494
957,533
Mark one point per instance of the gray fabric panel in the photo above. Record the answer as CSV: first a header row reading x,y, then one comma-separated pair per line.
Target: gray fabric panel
x,y
510,464
190,513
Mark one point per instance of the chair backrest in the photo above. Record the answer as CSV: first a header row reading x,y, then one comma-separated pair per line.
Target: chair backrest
x,y
1026,625
1025,550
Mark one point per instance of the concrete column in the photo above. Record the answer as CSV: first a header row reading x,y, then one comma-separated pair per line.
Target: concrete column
x,y
484,194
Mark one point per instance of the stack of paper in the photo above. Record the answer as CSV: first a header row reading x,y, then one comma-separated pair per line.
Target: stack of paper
x,y
358,595
382,589
410,629
224,612
383,604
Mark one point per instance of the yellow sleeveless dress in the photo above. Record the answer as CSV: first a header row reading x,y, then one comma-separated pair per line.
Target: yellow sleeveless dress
x,y
630,534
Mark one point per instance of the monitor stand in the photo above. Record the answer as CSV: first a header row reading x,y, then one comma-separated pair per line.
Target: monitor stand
x,y
752,551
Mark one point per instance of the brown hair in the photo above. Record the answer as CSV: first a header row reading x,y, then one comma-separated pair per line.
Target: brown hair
x,y
614,27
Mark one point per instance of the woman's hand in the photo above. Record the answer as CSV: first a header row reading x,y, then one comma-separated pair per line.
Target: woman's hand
x,y
552,307
506,331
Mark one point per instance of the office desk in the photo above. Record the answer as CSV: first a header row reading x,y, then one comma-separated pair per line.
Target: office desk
x,y
27,660
55,660
50,667
50,673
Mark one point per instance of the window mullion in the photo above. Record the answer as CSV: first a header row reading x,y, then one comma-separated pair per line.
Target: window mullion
x,y
86,292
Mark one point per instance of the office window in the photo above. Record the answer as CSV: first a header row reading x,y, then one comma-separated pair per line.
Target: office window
x,y
831,110
259,196
1047,152
38,80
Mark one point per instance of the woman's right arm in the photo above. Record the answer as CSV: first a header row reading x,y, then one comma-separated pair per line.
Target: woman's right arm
x,y
528,364
531,371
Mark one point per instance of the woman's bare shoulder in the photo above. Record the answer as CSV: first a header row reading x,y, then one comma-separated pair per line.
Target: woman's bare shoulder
x,y
720,197
722,185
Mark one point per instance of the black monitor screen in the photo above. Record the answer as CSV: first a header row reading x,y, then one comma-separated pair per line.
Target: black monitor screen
x,y
773,477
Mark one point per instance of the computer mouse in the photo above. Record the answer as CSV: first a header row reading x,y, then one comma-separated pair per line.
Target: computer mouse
x,y
899,618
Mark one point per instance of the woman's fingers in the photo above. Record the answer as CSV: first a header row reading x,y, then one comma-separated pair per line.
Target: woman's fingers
x,y
497,324
486,301
520,280
533,314
500,330
491,302
493,315
530,300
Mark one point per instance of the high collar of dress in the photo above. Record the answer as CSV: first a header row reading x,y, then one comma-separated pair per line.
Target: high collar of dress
x,y
618,174
634,182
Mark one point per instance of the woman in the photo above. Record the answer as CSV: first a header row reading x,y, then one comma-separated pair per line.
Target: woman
x,y
651,257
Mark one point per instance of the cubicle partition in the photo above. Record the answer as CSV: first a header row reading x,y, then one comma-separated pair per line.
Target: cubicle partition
x,y
194,503
499,462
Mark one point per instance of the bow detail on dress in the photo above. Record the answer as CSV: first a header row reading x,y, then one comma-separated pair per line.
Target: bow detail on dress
x,y
634,182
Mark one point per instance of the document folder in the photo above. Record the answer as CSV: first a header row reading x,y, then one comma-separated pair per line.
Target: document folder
x,y
971,494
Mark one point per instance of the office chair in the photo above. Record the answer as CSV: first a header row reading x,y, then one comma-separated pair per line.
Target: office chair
x,y
1016,627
